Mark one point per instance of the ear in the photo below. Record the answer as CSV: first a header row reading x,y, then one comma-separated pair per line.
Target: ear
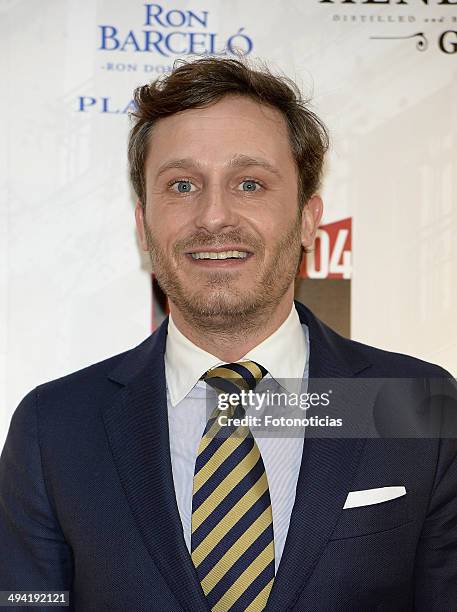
x,y
311,218
139,219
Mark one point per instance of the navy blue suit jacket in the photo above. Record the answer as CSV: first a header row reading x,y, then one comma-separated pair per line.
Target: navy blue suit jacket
x,y
87,500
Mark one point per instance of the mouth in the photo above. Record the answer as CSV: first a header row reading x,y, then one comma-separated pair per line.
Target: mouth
x,y
225,258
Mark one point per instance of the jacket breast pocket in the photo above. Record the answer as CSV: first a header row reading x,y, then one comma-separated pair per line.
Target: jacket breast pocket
x,y
373,518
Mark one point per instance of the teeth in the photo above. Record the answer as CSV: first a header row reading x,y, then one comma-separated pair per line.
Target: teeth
x,y
222,255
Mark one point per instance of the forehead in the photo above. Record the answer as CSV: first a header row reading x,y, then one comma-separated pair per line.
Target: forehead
x,y
233,125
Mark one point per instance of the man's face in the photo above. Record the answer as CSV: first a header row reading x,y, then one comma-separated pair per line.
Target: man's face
x,y
223,179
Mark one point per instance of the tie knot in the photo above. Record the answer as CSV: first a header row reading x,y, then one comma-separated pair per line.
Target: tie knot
x,y
235,377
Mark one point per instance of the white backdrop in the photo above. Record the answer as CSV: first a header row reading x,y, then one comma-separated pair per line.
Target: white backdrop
x,y
74,286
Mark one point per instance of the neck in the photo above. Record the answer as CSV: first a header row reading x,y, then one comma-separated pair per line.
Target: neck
x,y
227,343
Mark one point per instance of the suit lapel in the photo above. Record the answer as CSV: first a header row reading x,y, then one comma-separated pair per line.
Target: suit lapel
x,y
327,468
137,428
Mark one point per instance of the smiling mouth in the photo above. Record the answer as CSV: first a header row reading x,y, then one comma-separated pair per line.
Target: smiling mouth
x,y
220,255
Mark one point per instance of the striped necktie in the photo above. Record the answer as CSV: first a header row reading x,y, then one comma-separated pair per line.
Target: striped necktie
x,y
232,542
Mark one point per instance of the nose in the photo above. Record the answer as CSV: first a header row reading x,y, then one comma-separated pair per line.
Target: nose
x,y
215,210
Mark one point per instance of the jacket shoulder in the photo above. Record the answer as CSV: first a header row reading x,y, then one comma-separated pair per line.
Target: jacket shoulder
x,y
90,386
390,363
360,358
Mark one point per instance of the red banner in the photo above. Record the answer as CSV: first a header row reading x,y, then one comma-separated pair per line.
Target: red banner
x,y
332,254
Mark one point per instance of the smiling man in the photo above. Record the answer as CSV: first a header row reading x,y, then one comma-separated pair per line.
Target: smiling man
x,y
123,485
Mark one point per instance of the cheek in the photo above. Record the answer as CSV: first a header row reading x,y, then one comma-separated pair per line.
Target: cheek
x,y
282,235
268,228
170,214
165,223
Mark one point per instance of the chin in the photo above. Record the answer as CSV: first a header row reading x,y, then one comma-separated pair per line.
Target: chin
x,y
222,304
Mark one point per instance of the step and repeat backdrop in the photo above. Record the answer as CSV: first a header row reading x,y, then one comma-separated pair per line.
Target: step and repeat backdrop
x,y
74,285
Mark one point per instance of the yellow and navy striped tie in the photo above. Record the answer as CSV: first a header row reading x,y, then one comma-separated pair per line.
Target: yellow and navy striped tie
x,y
232,526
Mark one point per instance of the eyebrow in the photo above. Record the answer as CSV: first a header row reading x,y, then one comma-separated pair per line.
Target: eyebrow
x,y
237,161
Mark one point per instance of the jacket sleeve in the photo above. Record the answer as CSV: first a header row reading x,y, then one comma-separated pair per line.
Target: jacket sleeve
x,y
436,556
34,555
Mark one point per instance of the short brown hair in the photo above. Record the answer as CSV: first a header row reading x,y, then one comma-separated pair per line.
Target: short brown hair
x,y
202,82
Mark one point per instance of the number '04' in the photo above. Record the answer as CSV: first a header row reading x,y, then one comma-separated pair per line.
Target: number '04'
x,y
332,262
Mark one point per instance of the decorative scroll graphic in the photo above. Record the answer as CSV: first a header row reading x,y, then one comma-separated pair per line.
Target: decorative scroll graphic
x,y
331,256
421,43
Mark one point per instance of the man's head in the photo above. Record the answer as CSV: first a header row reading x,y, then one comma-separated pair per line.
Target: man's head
x,y
225,158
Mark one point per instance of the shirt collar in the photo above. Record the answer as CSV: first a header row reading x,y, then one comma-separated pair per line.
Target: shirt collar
x,y
283,354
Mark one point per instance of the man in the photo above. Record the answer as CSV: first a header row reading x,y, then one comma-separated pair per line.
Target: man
x,y
118,485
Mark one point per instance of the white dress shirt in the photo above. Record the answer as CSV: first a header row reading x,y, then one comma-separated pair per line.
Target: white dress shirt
x,y
285,355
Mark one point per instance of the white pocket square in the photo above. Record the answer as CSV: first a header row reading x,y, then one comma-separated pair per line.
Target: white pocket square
x,y
372,496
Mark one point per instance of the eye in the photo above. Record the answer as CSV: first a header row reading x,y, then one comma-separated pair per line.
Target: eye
x,y
182,185
250,185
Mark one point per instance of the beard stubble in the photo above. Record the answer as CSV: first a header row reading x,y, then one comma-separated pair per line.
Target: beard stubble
x,y
218,304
